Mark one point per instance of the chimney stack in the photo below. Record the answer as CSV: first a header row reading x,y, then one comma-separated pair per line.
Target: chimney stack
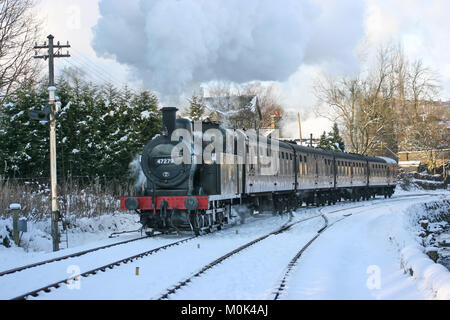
x,y
168,119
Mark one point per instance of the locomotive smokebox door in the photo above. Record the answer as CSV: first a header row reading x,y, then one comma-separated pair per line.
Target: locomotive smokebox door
x,y
191,203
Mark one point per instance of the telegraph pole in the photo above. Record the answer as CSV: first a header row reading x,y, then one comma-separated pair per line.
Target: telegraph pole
x,y
52,120
299,128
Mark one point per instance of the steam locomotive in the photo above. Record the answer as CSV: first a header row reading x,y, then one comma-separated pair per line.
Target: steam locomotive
x,y
200,174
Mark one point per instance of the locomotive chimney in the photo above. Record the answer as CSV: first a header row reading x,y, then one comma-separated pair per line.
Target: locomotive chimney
x,y
168,118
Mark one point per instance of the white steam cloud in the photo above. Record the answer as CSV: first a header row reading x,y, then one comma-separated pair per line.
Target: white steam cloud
x,y
136,172
173,44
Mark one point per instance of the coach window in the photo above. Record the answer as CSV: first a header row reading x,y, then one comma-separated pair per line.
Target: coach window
x,y
286,165
300,164
304,164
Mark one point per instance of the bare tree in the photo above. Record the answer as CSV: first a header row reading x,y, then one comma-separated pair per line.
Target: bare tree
x,y
383,106
269,101
18,33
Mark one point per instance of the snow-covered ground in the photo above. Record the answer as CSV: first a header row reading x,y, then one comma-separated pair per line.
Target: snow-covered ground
x,y
374,253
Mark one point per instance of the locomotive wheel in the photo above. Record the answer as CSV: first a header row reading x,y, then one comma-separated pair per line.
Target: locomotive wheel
x,y
199,221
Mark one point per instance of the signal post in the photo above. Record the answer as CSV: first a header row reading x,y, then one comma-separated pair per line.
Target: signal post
x,y
50,115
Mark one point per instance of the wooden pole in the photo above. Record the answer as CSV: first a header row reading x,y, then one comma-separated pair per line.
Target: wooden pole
x,y
299,128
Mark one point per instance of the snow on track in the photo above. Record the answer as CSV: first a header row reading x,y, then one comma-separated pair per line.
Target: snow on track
x,y
252,273
15,284
357,258
158,271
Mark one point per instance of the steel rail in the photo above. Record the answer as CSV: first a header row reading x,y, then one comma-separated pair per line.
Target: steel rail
x,y
72,255
47,288
182,283
294,260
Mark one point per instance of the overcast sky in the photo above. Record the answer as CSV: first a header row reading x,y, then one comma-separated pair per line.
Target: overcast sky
x,y
173,46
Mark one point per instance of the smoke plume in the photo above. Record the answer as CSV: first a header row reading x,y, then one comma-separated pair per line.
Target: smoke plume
x,y
173,44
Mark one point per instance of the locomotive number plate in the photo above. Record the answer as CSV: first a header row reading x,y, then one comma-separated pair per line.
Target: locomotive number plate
x,y
164,161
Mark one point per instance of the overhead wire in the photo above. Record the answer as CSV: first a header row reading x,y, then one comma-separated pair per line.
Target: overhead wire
x,y
87,60
96,76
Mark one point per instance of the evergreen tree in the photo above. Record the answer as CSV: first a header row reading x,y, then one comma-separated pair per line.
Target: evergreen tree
x,y
100,129
25,142
324,142
332,141
196,109
336,140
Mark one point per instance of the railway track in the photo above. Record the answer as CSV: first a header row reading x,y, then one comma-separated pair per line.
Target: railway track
x,y
103,268
294,260
57,284
73,255
81,253
219,260
173,289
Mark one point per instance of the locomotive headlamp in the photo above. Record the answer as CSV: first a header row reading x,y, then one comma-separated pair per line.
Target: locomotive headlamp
x,y
131,203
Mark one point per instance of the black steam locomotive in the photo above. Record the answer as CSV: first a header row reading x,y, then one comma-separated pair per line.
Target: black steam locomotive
x,y
198,175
